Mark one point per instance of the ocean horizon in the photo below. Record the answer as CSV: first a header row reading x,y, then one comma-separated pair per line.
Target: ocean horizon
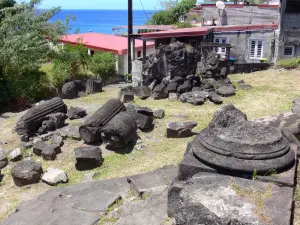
x,y
102,21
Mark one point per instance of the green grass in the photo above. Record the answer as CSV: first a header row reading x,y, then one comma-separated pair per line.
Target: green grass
x,y
273,92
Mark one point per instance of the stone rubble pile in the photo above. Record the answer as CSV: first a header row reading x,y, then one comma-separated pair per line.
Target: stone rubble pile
x,y
174,72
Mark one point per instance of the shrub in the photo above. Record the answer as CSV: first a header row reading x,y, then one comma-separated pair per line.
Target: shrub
x,y
289,63
70,63
103,65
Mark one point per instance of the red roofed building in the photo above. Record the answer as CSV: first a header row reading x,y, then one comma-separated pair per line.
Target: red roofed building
x,y
117,45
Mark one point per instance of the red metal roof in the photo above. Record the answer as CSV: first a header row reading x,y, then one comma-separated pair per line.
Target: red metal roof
x,y
183,32
245,27
104,42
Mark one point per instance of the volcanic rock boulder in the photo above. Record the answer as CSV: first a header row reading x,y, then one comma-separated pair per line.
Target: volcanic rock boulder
x,y
232,143
195,97
88,157
39,146
180,129
27,172
93,85
160,92
76,113
73,89
90,131
51,151
3,159
31,121
126,97
52,122
119,131
159,113
226,90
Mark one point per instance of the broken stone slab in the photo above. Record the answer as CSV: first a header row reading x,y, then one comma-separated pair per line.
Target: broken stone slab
x,y
126,97
144,110
160,92
155,181
143,92
88,157
159,113
3,159
180,129
27,172
54,176
152,211
194,201
16,155
76,113
226,91
39,146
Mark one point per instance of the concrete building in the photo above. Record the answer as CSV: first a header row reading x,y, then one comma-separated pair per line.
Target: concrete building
x,y
96,42
288,34
239,14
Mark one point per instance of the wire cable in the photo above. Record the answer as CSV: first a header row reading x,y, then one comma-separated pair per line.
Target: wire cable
x,y
144,9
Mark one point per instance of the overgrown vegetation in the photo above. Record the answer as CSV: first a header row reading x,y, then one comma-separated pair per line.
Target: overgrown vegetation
x,y
173,10
70,63
103,65
24,36
289,63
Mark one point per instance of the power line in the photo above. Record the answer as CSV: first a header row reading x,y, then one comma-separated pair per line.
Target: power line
x,y
144,9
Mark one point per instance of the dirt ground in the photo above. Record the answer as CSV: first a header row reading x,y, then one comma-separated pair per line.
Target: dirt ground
x,y
273,92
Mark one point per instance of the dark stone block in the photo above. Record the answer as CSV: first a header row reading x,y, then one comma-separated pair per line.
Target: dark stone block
x,y
76,113
27,172
144,122
38,147
180,129
88,158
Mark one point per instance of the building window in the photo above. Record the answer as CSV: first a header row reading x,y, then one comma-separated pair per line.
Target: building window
x,y
193,43
220,40
139,54
289,51
256,49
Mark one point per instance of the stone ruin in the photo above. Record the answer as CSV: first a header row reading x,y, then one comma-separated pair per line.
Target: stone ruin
x,y
174,72
236,172
43,128
227,167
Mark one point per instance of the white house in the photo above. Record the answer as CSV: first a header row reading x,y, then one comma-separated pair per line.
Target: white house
x,y
117,45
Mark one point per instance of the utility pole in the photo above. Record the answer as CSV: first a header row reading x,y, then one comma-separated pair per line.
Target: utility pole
x,y
130,31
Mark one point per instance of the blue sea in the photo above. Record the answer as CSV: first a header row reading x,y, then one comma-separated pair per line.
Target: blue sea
x,y
102,21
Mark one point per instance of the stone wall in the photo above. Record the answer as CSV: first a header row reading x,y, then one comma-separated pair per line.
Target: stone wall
x,y
241,15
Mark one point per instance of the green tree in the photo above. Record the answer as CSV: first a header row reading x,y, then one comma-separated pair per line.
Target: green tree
x,y
173,11
24,45
69,63
103,65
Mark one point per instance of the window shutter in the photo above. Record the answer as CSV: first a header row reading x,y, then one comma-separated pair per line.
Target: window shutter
x,y
217,40
252,49
259,49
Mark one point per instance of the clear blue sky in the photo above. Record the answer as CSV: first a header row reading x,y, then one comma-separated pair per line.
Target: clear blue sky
x,y
100,4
